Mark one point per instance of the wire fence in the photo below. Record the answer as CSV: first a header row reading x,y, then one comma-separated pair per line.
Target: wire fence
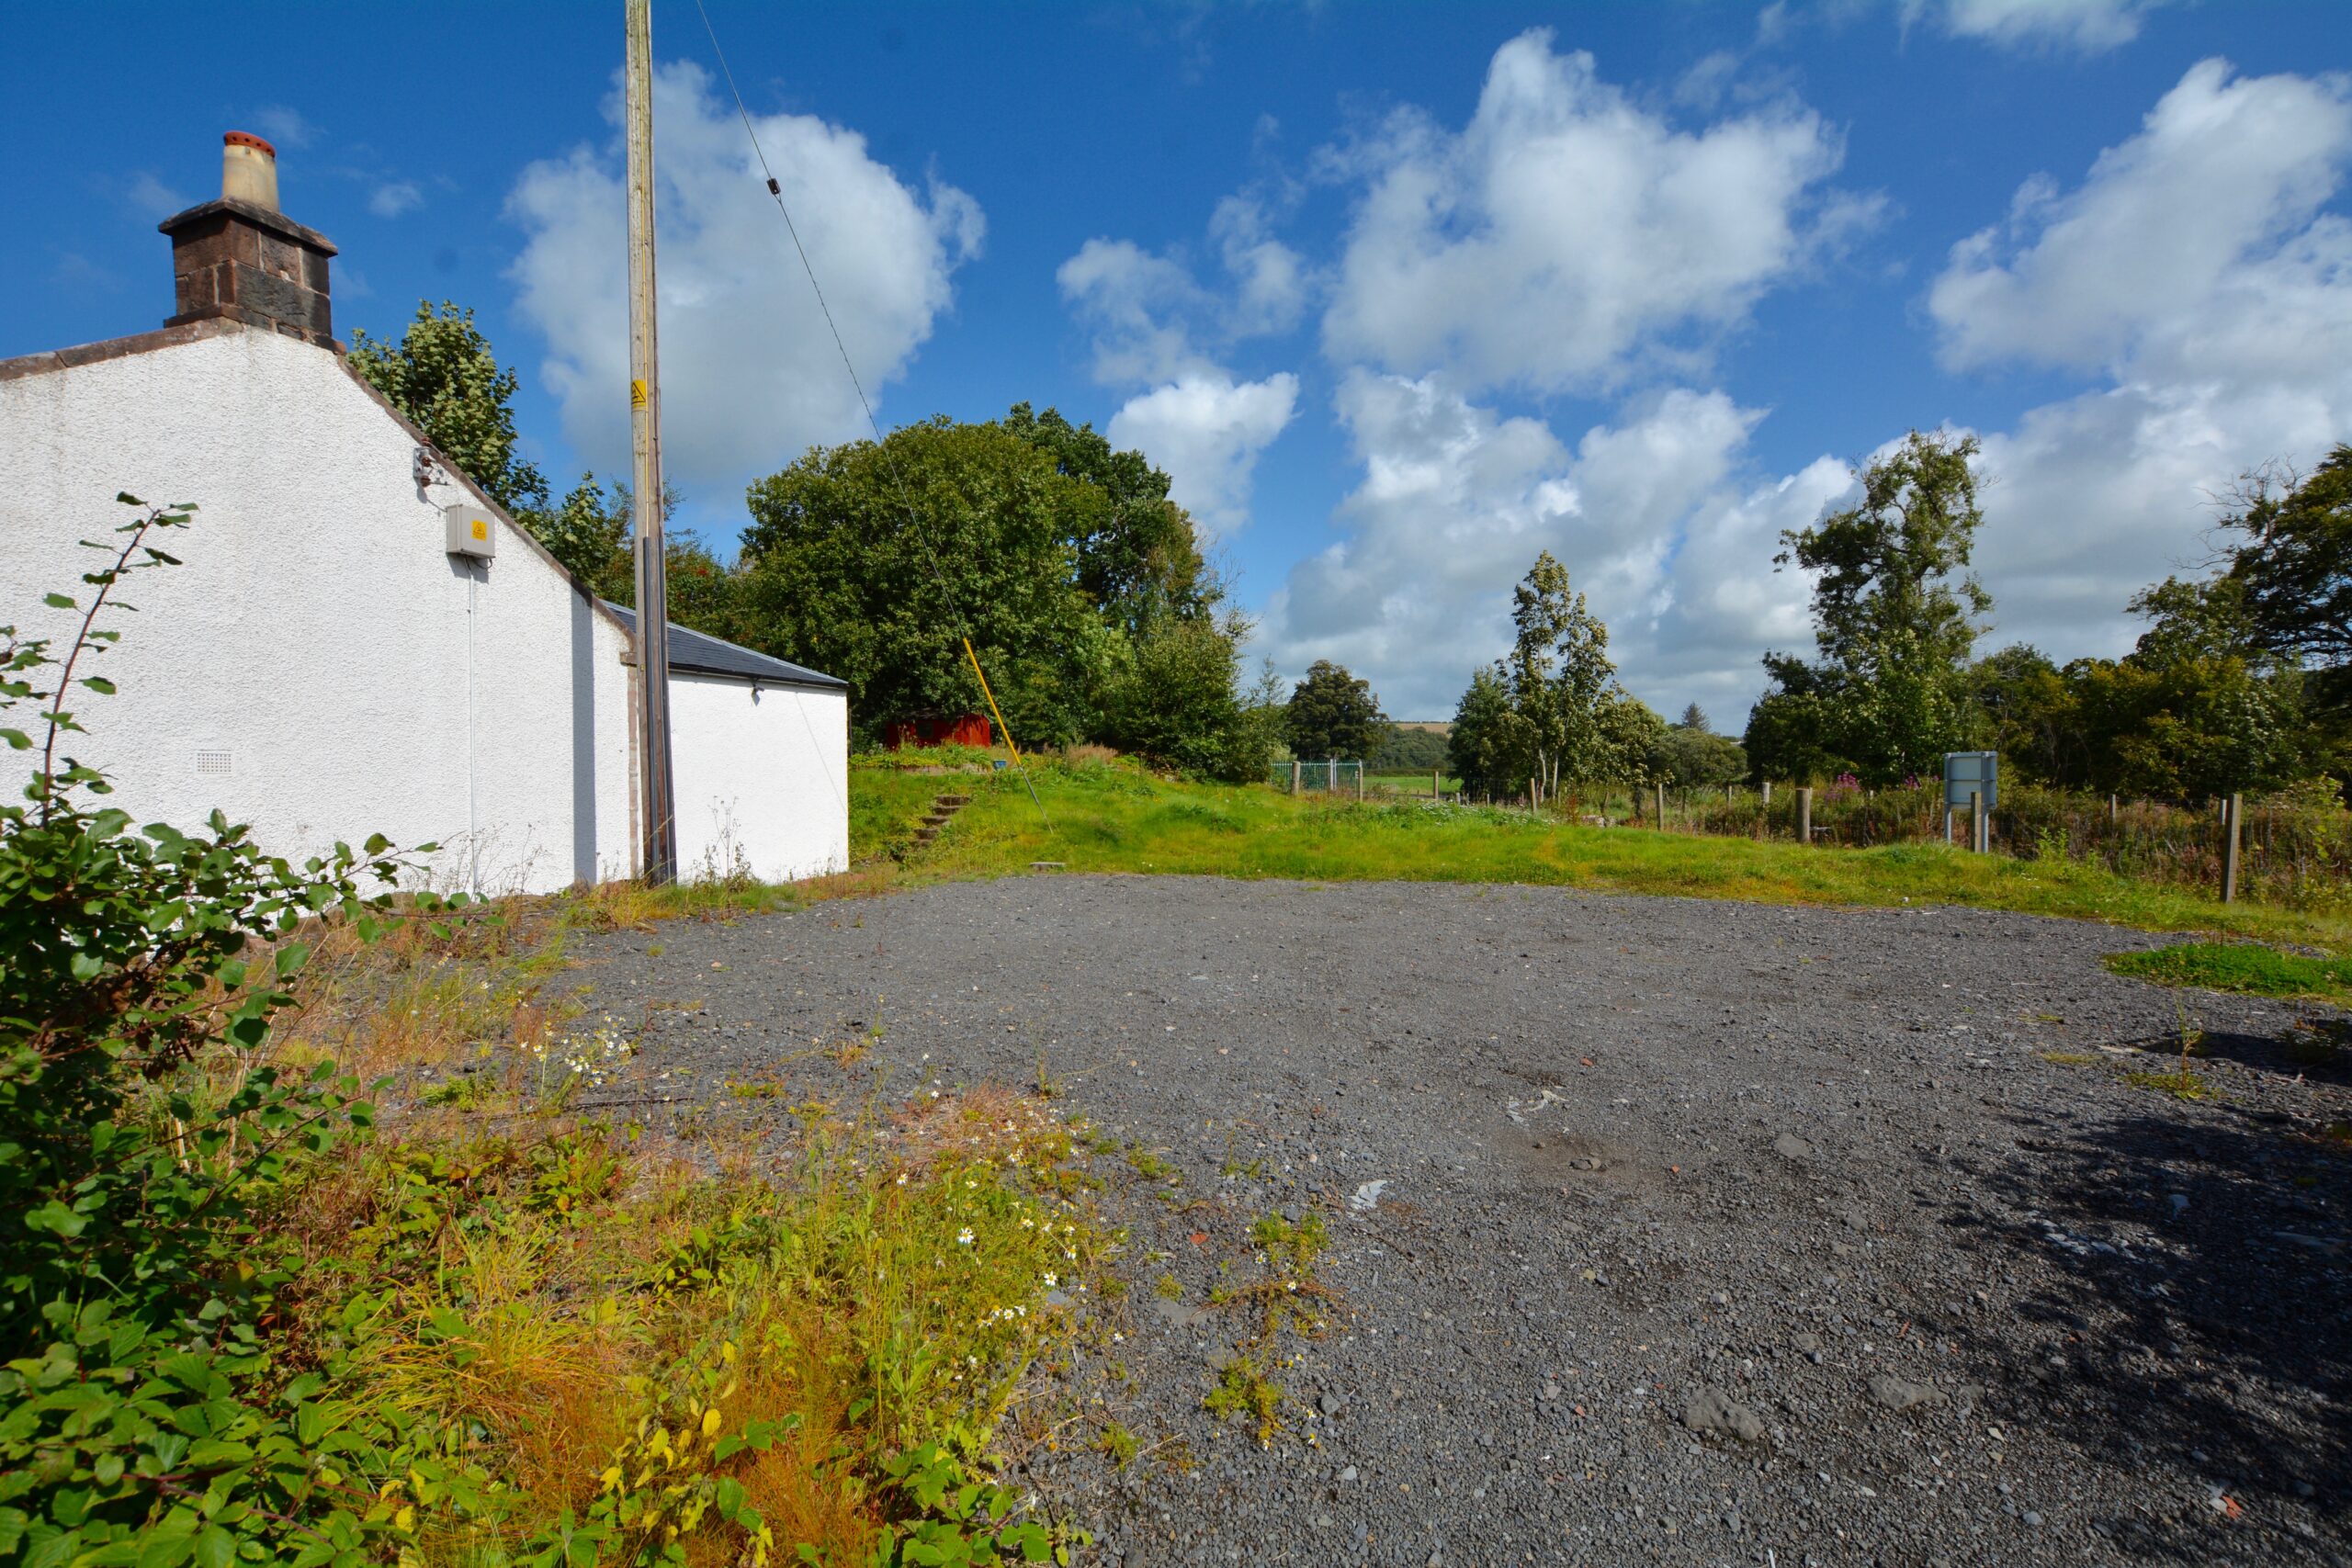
x,y
2295,849
1327,777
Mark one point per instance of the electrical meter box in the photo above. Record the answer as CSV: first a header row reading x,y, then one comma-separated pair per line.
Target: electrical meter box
x,y
472,532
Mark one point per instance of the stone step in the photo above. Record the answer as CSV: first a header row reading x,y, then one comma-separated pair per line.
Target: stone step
x,y
926,835
956,801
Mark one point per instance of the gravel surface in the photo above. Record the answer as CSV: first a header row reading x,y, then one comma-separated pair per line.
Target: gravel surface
x,y
1662,1230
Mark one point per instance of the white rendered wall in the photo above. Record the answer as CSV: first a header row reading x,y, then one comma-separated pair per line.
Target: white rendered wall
x,y
318,633
762,778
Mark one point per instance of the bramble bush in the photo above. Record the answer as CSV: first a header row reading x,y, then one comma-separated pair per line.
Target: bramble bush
x,y
185,1386
144,1421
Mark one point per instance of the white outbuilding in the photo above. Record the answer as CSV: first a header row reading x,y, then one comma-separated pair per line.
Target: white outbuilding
x,y
360,641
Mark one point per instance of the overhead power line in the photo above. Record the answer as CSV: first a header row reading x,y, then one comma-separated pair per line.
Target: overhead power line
x,y
906,498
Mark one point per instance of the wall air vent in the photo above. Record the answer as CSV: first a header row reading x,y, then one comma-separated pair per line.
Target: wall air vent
x,y
214,763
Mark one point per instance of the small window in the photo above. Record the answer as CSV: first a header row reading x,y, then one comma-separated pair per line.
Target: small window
x,y
214,763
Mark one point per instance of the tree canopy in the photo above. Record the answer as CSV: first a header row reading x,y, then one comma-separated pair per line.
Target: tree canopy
x,y
873,562
1080,584
2292,568
1895,616
1550,714
1138,557
1334,714
442,374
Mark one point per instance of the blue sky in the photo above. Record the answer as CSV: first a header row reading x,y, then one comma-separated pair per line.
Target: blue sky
x,y
1400,294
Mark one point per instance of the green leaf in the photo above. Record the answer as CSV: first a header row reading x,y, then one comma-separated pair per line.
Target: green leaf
x,y
58,602
215,1548
56,1219
99,684
291,957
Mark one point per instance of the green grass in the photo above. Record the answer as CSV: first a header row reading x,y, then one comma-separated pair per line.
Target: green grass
x,y
2239,966
1410,783
1113,819
887,804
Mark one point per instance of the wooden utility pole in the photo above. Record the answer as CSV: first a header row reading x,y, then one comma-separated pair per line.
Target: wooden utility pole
x,y
658,821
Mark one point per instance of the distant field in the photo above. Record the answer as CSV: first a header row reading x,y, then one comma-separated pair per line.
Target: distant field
x,y
1114,819
1410,784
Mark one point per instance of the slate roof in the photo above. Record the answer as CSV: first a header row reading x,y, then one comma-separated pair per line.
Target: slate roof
x,y
700,654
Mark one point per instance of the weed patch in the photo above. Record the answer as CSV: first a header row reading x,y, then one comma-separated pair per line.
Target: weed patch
x,y
2182,1083
2248,967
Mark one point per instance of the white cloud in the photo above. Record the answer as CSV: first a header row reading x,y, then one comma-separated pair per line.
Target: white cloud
x,y
2196,272
1568,236
1456,501
394,197
1206,430
750,375
2088,25
285,126
2197,247
1270,278
1152,321
1154,325
151,197
1140,308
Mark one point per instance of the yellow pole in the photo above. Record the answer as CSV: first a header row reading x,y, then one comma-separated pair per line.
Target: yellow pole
x,y
1004,729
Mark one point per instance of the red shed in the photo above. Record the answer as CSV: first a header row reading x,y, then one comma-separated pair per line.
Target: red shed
x,y
939,730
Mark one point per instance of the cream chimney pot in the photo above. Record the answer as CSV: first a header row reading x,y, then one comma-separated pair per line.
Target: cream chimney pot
x,y
249,169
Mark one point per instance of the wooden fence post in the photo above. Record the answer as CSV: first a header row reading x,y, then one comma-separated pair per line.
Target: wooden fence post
x,y
1805,814
2232,813
2110,811
1768,794
1979,837
1661,806
1435,775
1297,768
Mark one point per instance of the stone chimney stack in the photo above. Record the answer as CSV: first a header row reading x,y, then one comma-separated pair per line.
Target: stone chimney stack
x,y
242,258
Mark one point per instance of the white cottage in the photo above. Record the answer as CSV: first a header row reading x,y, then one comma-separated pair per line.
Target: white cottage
x,y
325,665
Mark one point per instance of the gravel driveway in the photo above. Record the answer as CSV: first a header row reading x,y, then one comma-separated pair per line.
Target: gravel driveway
x,y
1662,1230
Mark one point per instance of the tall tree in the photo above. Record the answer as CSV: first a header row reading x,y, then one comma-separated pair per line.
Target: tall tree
x,y
2293,567
1138,555
1896,612
1479,746
871,562
443,374
1562,683
1334,714
1694,718
1551,712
